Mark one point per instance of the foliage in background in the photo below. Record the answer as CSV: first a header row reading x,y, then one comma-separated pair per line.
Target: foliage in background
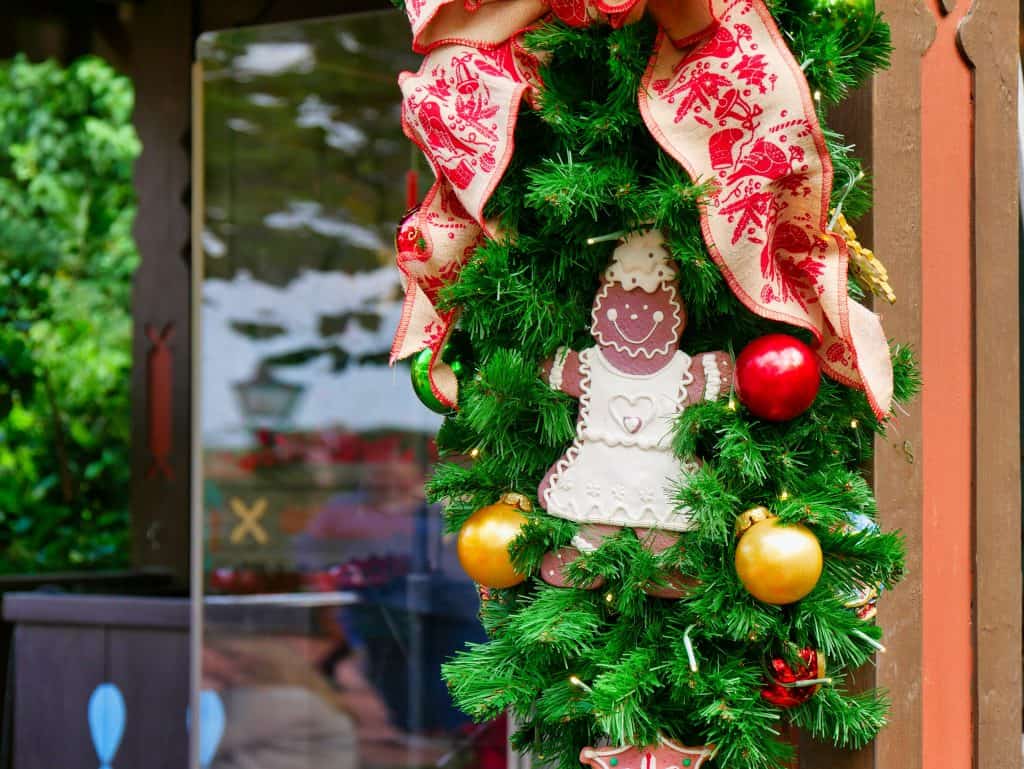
x,y
67,148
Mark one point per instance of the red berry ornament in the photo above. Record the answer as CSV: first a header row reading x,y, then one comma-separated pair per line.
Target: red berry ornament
x,y
777,377
787,687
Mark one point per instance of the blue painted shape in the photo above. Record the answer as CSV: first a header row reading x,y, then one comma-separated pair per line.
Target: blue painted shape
x,y
212,721
107,714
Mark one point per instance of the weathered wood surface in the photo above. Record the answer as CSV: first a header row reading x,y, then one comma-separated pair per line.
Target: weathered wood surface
x,y
989,40
161,35
66,646
150,667
896,165
55,673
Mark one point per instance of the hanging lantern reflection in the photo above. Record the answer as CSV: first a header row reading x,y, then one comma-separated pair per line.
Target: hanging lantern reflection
x,y
267,401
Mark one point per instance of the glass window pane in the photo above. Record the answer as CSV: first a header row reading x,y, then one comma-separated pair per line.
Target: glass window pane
x,y
333,595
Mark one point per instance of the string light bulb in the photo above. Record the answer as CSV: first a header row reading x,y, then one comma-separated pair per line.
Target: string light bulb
x,y
690,654
605,238
880,648
804,684
575,681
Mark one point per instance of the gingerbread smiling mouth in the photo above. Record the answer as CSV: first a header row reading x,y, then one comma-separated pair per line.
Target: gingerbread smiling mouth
x,y
613,315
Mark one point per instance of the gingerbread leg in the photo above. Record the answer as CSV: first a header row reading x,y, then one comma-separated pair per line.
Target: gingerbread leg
x,y
553,569
675,584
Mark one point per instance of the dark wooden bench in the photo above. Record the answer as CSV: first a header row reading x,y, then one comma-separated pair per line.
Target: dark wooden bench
x,y
57,648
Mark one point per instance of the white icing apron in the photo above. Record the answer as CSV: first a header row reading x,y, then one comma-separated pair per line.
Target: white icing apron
x,y
620,468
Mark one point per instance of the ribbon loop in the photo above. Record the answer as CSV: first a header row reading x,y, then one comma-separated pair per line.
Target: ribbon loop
x,y
722,95
480,23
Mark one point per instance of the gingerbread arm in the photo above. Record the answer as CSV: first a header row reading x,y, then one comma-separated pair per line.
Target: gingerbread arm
x,y
712,376
563,372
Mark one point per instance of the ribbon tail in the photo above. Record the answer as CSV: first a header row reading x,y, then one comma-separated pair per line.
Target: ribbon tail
x,y
853,348
418,326
460,108
443,383
487,23
433,243
872,359
736,112
422,327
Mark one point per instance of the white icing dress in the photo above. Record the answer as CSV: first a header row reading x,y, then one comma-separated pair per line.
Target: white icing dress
x,y
620,468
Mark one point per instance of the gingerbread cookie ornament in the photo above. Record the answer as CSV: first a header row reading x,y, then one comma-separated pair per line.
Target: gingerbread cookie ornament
x,y
632,384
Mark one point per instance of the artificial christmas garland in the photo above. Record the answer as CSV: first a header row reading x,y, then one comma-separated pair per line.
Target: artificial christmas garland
x,y
618,183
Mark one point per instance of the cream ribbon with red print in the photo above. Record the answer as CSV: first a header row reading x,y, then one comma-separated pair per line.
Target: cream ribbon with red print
x,y
722,95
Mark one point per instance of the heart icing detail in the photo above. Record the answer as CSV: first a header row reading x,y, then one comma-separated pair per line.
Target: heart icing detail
x,y
632,412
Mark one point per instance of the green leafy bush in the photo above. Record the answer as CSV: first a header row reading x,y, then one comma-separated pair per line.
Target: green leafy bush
x,y
67,204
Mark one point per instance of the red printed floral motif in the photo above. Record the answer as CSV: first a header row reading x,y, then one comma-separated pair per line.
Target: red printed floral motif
x,y
752,70
414,8
838,352
443,220
451,114
434,334
572,12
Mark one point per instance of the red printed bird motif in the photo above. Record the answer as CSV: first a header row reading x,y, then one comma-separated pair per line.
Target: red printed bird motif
x,y
764,159
437,133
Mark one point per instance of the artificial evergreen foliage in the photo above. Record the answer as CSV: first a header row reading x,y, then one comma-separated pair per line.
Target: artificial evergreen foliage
x,y
583,668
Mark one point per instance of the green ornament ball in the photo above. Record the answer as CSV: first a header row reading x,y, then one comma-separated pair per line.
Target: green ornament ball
x,y
855,16
455,354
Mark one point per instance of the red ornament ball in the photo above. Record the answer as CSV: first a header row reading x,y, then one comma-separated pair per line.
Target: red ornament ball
x,y
787,687
777,377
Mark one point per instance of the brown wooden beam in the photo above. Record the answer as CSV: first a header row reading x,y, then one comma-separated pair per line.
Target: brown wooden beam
x,y
896,164
989,37
160,66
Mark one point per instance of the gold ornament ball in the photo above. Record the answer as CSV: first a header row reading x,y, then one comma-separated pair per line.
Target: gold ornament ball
x,y
754,515
778,563
484,539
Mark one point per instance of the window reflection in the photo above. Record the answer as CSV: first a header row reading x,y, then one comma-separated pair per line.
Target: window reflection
x,y
333,593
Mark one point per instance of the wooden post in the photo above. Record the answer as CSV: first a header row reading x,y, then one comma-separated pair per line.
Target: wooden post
x,y
946,223
161,36
989,39
898,470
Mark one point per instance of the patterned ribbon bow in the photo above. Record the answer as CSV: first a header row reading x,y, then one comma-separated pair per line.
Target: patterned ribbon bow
x,y
722,95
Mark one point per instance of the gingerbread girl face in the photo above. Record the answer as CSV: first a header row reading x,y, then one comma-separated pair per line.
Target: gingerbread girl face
x,y
637,309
